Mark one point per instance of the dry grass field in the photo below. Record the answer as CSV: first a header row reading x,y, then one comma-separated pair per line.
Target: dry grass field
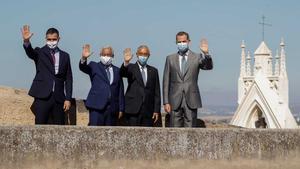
x,y
15,108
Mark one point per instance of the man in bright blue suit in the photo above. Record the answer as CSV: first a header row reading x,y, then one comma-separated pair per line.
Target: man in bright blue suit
x,y
105,100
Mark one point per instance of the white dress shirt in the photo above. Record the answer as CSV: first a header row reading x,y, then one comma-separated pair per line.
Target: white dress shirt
x,y
56,64
145,70
180,58
111,71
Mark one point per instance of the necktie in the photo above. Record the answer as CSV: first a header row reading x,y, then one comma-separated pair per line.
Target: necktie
x,y
52,52
183,64
108,74
144,76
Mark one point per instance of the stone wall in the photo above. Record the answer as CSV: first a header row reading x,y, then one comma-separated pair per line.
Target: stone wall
x,y
91,143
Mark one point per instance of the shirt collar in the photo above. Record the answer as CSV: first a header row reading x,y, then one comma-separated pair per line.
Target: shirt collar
x,y
106,66
142,67
185,54
56,49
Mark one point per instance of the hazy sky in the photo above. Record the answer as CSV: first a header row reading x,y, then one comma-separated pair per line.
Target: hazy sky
x,y
154,23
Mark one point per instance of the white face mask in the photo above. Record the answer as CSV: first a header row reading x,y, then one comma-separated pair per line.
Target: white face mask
x,y
52,44
106,60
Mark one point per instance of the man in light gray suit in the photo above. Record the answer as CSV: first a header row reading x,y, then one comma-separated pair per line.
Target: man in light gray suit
x,y
181,94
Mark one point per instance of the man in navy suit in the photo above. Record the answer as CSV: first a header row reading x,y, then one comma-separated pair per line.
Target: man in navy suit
x,y
105,100
53,81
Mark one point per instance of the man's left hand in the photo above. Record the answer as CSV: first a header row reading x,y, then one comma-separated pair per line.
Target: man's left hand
x,y
204,46
120,115
67,105
155,117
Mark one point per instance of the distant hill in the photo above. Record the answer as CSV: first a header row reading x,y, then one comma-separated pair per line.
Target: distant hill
x,y
15,108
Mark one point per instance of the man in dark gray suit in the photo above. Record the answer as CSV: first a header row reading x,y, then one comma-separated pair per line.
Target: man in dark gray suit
x,y
181,94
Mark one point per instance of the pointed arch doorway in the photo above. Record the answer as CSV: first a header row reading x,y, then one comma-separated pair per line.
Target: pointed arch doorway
x,y
256,117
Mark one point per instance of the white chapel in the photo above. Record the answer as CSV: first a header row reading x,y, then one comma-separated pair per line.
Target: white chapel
x,y
263,90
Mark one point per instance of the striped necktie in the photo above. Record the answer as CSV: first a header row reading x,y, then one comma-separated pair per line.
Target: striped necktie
x,y
108,73
144,75
52,52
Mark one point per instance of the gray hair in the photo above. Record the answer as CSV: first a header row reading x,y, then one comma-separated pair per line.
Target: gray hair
x,y
108,47
143,47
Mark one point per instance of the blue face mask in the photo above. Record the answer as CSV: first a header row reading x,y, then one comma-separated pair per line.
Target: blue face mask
x,y
143,60
182,47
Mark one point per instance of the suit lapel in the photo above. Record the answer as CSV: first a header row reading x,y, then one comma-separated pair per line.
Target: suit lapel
x,y
178,66
61,59
48,59
102,69
188,63
116,78
46,51
149,73
138,74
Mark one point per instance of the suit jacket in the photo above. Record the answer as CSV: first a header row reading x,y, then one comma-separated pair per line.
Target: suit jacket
x,y
45,77
177,85
102,91
137,94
